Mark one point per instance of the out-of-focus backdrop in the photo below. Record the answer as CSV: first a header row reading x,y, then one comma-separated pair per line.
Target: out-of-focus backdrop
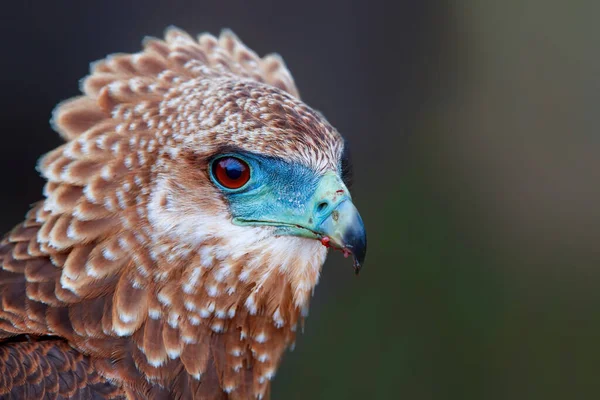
x,y
475,137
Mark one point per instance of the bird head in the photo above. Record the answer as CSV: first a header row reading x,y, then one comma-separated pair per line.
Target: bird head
x,y
193,172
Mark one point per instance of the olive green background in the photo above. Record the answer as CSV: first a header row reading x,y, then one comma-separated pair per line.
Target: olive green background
x,y
474,133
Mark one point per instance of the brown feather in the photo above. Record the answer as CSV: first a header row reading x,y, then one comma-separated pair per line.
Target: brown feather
x,y
152,344
195,356
45,369
76,116
40,270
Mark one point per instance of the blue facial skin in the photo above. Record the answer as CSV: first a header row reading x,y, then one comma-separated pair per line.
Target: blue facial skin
x,y
278,194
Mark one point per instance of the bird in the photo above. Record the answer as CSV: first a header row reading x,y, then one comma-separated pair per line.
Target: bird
x,y
184,224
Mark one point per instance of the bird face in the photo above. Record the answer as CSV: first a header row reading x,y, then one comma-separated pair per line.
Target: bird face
x,y
266,184
291,198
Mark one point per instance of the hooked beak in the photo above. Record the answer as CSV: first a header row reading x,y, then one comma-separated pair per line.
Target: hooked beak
x,y
333,219
345,230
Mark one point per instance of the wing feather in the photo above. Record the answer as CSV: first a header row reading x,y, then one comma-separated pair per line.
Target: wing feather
x,y
50,369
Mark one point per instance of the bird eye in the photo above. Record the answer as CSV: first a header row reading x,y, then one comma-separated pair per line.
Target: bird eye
x,y
231,172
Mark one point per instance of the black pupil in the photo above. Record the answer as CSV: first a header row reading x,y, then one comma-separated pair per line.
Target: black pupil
x,y
233,168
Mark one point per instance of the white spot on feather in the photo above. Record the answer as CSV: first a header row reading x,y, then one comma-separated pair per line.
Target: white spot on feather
x,y
188,339
66,282
204,313
251,305
173,320
156,362
71,233
127,318
189,286
163,299
197,376
123,330
261,337
269,374
173,353
108,254
244,275
229,389
277,318
212,290
217,327
222,272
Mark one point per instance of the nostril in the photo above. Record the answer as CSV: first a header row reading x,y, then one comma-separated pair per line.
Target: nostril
x,y
322,206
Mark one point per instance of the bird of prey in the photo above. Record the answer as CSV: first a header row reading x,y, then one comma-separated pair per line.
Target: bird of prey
x,y
184,225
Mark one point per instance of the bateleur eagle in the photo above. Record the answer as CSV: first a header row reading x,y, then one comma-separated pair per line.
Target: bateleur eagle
x,y
184,224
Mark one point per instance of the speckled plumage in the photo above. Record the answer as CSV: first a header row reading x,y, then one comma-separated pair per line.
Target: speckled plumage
x,y
131,258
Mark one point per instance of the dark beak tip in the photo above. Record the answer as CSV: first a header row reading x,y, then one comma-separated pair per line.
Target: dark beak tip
x,y
360,254
347,231
357,245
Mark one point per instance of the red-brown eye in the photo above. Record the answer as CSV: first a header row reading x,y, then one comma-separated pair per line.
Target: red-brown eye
x,y
231,172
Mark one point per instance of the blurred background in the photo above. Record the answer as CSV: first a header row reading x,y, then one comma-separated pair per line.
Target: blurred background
x,y
474,129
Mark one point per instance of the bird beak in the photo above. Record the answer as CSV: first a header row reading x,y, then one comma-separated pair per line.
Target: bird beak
x,y
335,219
344,229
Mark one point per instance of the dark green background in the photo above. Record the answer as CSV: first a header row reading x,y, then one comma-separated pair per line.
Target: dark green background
x,y
474,129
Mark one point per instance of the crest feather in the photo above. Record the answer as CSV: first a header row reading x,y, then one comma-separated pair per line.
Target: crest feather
x,y
127,78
